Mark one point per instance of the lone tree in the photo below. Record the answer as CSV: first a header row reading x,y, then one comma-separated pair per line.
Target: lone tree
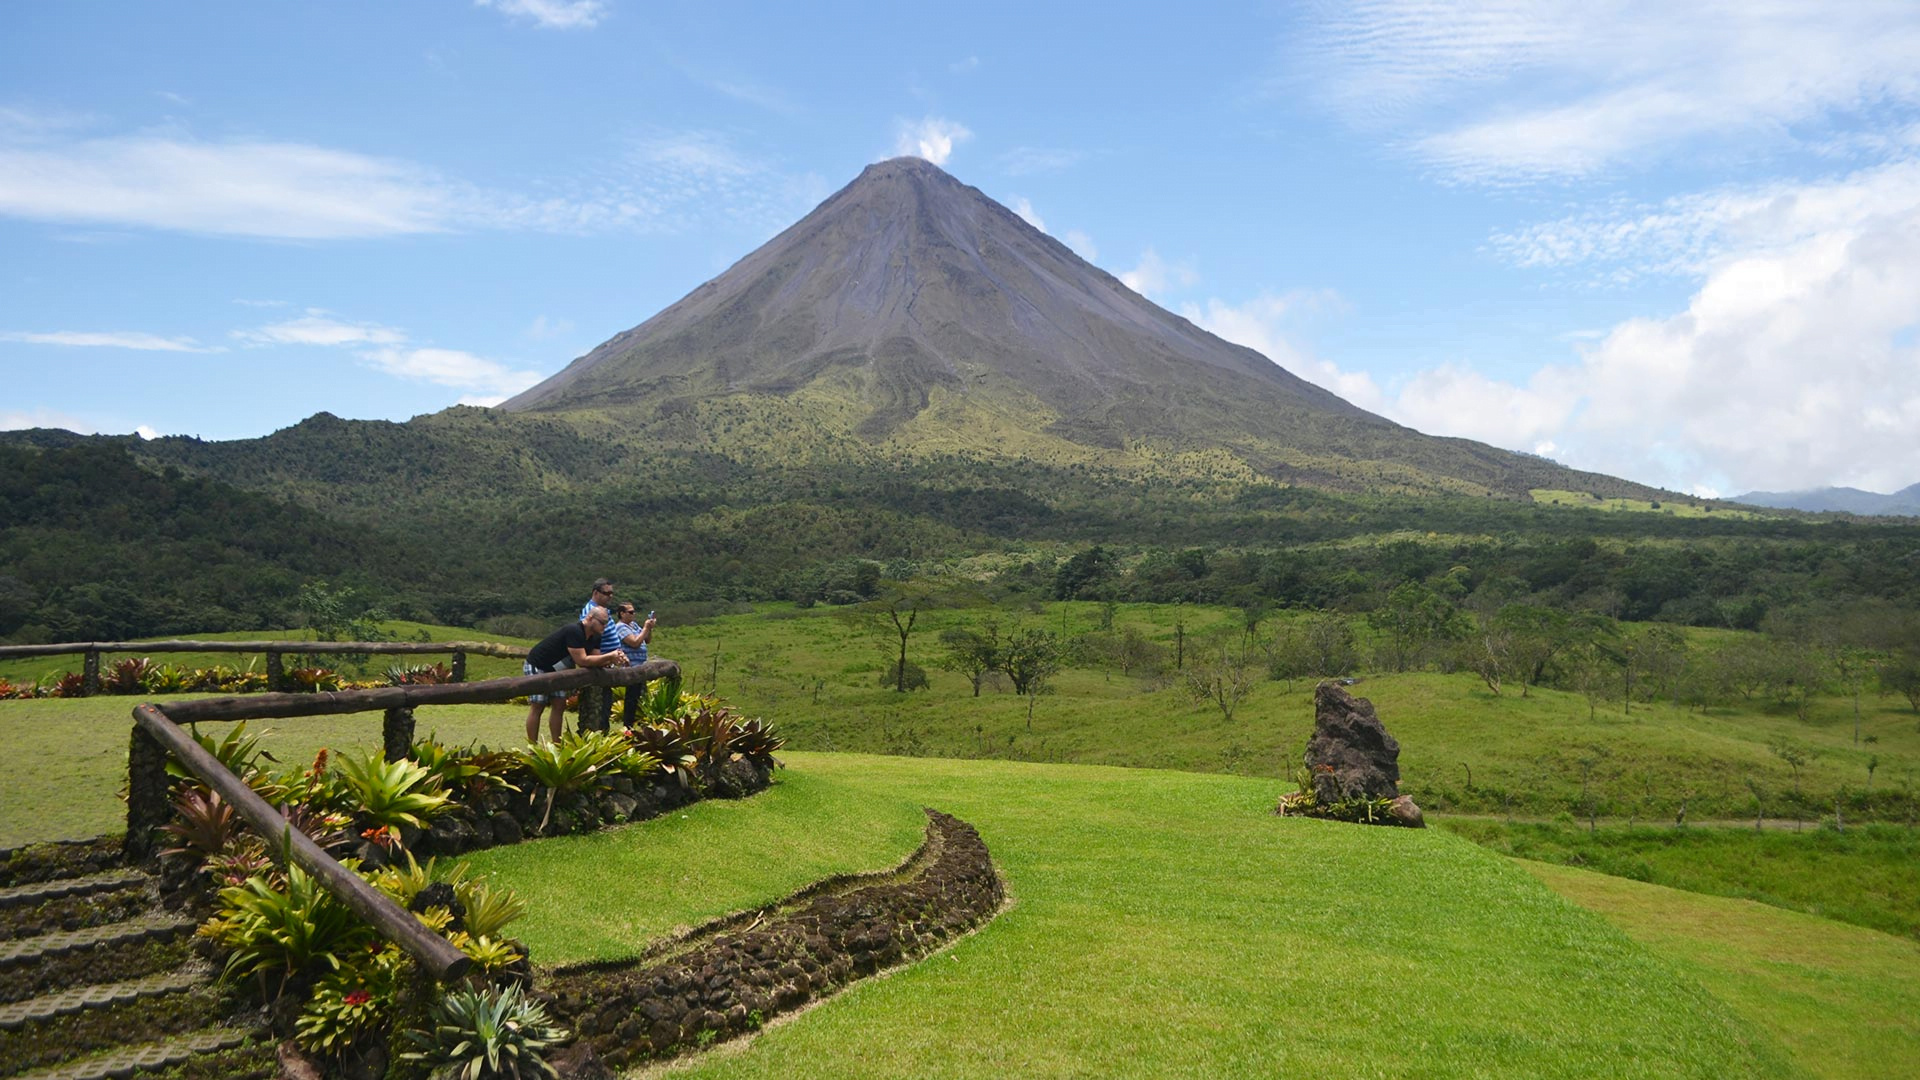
x,y
1030,658
972,651
891,617
1221,673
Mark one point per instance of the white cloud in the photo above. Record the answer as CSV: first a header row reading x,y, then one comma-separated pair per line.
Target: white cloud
x,y
316,327
146,432
1154,276
552,14
543,328
246,188
1266,323
287,190
1794,364
1082,245
21,419
123,339
962,67
932,138
451,367
1025,209
1527,90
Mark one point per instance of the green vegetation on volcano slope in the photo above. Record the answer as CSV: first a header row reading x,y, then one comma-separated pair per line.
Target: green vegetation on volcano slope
x,y
462,489
1168,924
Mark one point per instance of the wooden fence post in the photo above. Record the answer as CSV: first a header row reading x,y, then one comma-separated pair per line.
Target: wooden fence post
x,y
276,673
396,733
147,805
459,665
90,679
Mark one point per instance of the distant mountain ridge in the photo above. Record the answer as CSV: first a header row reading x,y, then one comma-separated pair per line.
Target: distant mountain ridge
x,y
1905,502
910,315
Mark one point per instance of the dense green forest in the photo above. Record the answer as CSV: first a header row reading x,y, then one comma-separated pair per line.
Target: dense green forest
x,y
102,537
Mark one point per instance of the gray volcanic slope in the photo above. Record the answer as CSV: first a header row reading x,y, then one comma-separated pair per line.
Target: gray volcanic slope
x,y
907,280
927,282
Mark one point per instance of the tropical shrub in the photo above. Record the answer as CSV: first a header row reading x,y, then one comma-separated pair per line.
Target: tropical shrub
x,y
668,745
471,771
578,763
487,1034
388,795
167,679
351,1001
313,680
489,907
419,675
127,676
203,824
277,931
70,685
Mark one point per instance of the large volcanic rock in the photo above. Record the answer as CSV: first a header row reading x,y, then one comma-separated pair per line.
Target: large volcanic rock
x,y
1350,756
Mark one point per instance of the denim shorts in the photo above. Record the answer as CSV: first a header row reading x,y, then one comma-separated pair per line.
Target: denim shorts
x,y
542,699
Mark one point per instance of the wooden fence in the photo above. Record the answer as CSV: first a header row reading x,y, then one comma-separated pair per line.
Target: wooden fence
x,y
157,733
275,651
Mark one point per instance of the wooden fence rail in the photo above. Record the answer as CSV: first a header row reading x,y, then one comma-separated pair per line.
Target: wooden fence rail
x,y
157,733
275,652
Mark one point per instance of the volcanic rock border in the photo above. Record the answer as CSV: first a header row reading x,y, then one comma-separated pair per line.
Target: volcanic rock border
x,y
731,976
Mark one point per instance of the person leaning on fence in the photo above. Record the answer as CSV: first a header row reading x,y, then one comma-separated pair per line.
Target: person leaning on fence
x,y
631,638
565,648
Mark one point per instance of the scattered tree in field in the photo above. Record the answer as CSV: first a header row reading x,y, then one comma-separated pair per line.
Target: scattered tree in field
x,y
1221,672
1413,619
891,618
1901,675
1030,658
972,651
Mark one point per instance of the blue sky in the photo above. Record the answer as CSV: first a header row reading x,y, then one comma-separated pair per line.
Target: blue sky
x,y
1677,243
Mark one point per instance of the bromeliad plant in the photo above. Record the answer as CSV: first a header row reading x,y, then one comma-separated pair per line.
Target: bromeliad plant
x,y
487,1034
390,795
471,771
579,763
278,929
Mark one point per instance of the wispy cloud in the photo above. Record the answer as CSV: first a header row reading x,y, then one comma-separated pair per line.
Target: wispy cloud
x,y
487,382
390,350
317,327
1525,91
22,419
932,138
118,339
1082,245
1024,208
283,190
1153,277
552,14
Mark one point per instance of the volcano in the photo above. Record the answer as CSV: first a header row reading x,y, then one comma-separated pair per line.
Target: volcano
x,y
909,304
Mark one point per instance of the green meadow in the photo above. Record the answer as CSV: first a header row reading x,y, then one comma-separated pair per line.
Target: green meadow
x,y
1164,923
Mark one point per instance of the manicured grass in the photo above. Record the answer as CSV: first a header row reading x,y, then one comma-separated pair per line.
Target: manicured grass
x,y
37,668
67,759
1167,924
608,894
1844,1001
1867,875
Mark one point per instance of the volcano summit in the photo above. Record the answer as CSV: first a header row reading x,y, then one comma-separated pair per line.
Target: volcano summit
x,y
911,313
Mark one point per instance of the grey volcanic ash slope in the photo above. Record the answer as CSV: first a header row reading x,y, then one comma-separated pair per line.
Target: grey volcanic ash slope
x,y
907,281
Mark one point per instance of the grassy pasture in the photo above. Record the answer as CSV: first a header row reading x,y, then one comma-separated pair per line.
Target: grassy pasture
x,y
1842,999
1167,924
1584,500
818,677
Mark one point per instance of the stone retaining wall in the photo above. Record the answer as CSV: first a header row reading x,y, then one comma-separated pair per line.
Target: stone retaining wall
x,y
729,977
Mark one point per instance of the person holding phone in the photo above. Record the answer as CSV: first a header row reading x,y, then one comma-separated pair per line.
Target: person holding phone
x,y
631,638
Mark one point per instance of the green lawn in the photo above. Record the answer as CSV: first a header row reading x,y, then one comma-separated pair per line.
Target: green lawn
x,y
1845,1001
1167,924
1867,875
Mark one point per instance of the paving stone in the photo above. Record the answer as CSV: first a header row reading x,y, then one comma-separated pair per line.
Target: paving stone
x,y
41,891
159,1055
21,1013
146,928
